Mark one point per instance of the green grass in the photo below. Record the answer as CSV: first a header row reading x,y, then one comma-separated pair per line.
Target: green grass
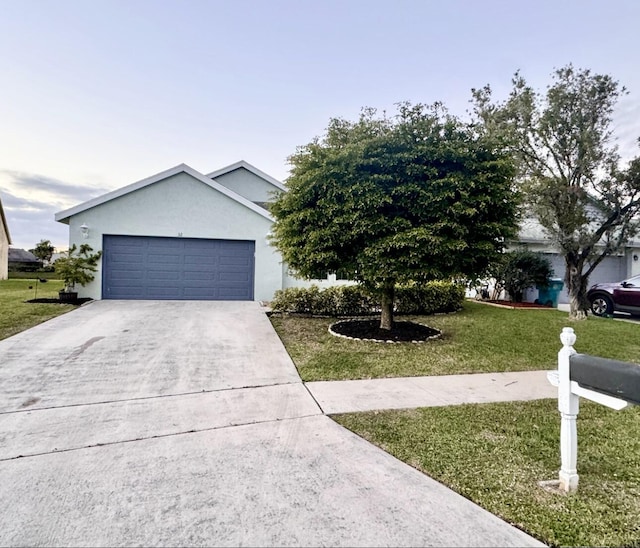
x,y
33,275
494,454
17,315
478,339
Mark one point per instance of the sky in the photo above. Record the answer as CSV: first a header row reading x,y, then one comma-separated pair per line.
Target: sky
x,y
98,94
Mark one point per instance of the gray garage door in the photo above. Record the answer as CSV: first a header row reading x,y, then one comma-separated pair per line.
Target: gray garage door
x,y
140,267
611,269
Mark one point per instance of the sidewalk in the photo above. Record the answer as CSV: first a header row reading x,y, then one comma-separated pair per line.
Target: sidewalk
x,y
409,392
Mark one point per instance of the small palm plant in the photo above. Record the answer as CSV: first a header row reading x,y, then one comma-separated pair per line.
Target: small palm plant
x,y
77,266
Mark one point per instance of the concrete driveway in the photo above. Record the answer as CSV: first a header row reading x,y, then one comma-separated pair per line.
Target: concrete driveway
x,y
186,424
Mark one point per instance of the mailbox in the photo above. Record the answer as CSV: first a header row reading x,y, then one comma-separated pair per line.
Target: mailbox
x,y
614,378
611,383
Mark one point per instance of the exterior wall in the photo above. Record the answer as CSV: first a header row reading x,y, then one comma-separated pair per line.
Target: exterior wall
x,y
4,253
179,206
633,262
248,185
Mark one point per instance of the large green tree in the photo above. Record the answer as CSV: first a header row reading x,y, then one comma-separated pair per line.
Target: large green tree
x,y
412,197
569,167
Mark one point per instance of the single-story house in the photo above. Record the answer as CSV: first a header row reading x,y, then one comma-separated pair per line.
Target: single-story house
x,y
23,260
5,242
182,234
613,268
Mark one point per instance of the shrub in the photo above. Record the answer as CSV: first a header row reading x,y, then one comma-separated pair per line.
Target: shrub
x,y
355,300
429,298
519,270
77,266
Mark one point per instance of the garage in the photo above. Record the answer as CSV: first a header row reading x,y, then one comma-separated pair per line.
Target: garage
x,y
611,269
181,234
150,268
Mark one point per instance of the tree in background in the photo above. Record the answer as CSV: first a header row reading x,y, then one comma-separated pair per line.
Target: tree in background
x,y
569,167
43,250
517,271
414,197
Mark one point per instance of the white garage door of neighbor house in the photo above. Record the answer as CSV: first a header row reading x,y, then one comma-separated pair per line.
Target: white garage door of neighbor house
x,y
149,268
611,269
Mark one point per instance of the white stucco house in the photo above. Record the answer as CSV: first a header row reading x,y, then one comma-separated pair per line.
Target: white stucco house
x,y
182,234
5,242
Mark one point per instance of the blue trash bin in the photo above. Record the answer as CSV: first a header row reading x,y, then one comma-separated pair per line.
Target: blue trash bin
x,y
548,296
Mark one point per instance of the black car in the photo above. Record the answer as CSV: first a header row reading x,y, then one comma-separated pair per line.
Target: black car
x,y
622,296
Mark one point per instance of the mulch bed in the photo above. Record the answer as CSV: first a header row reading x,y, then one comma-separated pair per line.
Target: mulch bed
x,y
370,330
77,302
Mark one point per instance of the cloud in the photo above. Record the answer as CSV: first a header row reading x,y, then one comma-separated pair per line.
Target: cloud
x,y
55,192
626,125
30,202
11,202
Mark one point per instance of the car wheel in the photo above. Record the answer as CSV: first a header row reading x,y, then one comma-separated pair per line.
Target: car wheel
x,y
601,305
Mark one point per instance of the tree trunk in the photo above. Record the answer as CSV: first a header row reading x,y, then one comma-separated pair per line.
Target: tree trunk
x,y
577,289
386,316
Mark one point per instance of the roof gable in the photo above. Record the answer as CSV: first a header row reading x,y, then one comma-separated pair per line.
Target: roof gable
x,y
63,216
246,165
5,226
531,231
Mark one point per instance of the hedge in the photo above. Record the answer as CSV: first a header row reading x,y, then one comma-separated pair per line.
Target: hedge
x,y
354,300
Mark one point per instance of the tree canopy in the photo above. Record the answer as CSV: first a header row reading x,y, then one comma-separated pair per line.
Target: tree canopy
x,y
569,168
517,271
43,250
413,197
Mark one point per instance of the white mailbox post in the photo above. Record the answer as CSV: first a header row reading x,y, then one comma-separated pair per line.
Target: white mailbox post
x,y
569,392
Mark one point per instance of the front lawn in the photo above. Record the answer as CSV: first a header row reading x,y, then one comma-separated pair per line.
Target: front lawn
x,y
33,275
17,315
479,339
495,454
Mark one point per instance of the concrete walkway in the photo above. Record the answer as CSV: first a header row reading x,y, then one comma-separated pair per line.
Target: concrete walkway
x,y
186,424
407,392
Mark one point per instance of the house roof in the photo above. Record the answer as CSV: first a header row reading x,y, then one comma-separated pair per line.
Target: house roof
x,y
63,216
17,255
4,223
248,167
532,232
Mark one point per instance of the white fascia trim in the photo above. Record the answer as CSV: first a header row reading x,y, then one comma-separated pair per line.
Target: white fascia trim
x,y
5,224
248,167
63,216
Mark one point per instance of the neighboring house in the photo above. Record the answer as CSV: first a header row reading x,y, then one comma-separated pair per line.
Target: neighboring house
x,y
21,260
613,268
5,242
184,235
